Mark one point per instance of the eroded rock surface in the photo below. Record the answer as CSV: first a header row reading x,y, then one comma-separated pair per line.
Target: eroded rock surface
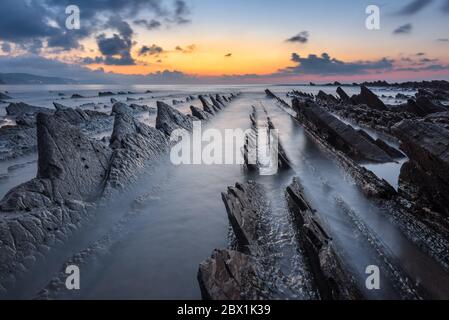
x,y
332,278
426,178
169,119
340,135
228,275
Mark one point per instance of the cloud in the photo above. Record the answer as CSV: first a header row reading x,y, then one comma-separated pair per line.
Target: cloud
x,y
302,37
445,7
189,49
116,50
24,22
414,7
443,40
149,24
404,29
153,50
181,12
53,68
325,65
6,47
228,55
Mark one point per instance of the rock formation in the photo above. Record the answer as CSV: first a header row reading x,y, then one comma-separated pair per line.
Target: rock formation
x,y
425,178
367,97
332,278
338,134
169,119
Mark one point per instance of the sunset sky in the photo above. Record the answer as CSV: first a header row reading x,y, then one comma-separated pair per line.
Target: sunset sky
x,y
242,41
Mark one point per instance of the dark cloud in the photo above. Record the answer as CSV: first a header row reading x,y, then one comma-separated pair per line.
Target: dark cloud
x,y
433,67
116,50
126,8
445,7
53,68
419,54
302,37
149,24
6,47
181,12
427,60
404,29
24,21
443,40
228,55
325,65
414,7
153,50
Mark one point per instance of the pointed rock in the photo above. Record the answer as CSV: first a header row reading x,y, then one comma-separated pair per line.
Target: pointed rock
x,y
207,106
75,164
200,114
342,94
169,119
367,97
17,108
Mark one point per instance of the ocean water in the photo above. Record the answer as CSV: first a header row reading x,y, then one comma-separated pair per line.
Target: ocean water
x,y
156,252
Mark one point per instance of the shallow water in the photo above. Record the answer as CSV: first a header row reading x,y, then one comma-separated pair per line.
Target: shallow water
x,y
158,249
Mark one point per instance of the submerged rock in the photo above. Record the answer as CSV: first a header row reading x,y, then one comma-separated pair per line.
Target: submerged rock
x,y
105,94
271,95
245,204
4,96
18,108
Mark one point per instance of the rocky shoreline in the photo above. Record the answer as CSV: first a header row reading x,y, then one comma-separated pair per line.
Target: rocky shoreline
x,y
75,174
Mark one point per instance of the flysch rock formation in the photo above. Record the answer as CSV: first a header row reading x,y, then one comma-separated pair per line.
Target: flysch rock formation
x,y
251,145
370,184
75,174
229,275
35,214
244,273
17,108
332,278
340,135
271,95
207,106
367,97
20,139
169,119
134,144
200,114
424,179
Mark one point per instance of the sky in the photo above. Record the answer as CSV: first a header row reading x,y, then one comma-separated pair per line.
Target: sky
x,y
233,41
